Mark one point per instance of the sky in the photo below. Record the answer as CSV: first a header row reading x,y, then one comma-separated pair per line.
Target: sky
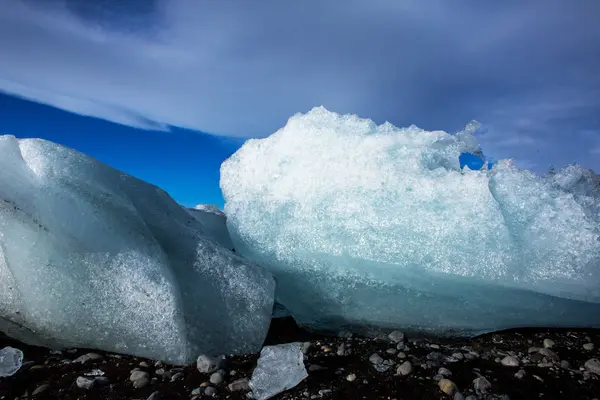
x,y
167,89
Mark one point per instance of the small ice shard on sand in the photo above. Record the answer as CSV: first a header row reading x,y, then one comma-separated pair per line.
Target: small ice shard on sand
x,y
279,368
11,360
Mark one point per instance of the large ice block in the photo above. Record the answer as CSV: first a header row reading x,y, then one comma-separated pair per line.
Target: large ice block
x,y
367,225
92,257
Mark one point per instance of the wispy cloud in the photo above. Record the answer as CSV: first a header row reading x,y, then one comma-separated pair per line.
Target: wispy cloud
x,y
526,69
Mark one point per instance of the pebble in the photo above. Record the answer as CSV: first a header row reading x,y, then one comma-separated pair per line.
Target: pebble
x,y
434,346
375,359
459,396
391,351
210,391
396,336
316,368
40,389
239,385
548,343
458,355
532,350
197,391
564,364
520,374
351,378
140,379
472,397
305,347
401,355
510,361
593,365
405,368
546,352
84,383
216,378
444,372
481,385
177,376
94,356
207,364
588,346
154,396
447,386
144,364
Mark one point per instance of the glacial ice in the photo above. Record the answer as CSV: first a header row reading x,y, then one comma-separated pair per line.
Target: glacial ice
x,y
214,223
366,225
11,360
93,258
279,368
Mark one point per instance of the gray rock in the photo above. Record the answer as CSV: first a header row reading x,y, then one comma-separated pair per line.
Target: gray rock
x,y
144,364
240,385
520,374
305,347
351,378
155,396
207,364
401,355
391,351
458,355
84,383
532,350
197,391
316,368
471,397
459,396
396,336
548,343
177,376
510,361
210,391
140,379
216,378
481,385
549,354
135,375
405,368
375,359
444,372
160,372
40,389
101,381
94,356
564,364
588,346
593,365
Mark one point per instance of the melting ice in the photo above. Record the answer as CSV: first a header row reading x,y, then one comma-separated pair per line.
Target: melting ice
x,y
91,257
376,225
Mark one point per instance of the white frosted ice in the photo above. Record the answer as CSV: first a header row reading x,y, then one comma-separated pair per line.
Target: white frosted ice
x,y
375,225
214,223
91,257
11,360
279,368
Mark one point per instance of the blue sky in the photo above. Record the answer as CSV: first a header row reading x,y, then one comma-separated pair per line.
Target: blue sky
x,y
155,73
184,163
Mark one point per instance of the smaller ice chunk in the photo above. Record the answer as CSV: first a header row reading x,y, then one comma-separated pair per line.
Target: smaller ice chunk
x,y
279,368
11,360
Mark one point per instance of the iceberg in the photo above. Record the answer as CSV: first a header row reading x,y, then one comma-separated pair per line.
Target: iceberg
x,y
91,257
366,225
214,223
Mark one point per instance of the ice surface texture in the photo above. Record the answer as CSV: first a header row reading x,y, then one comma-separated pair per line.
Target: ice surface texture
x,y
214,223
11,360
279,368
91,257
376,225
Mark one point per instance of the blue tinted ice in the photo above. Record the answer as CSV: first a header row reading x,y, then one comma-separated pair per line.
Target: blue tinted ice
x,y
365,224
